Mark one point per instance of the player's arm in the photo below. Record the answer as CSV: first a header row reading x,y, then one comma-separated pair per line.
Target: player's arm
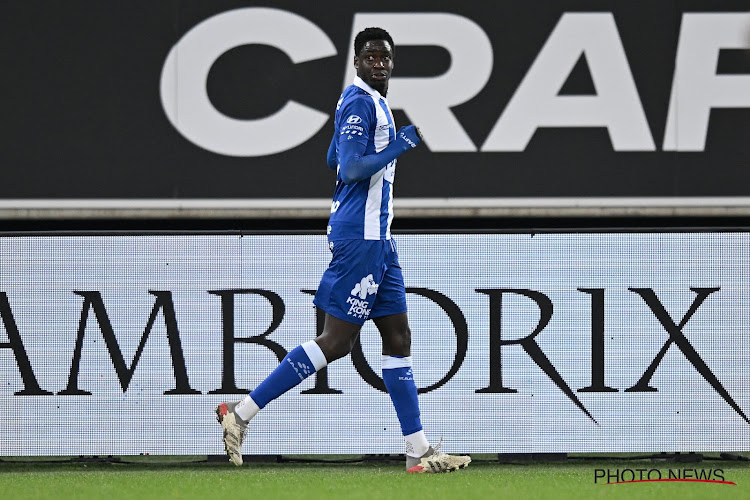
x,y
356,166
331,158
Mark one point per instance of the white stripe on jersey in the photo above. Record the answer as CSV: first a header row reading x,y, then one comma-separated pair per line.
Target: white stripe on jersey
x,y
382,129
372,207
374,201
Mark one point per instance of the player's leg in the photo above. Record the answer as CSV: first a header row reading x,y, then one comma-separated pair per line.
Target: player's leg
x,y
398,376
297,365
390,317
336,296
338,337
336,341
399,380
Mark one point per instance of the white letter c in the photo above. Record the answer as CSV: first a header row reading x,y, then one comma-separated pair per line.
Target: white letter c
x,y
183,82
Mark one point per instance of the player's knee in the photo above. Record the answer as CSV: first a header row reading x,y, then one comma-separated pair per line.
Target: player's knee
x,y
399,343
407,336
335,346
404,339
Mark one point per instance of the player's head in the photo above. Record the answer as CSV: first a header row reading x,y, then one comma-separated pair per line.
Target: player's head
x,y
373,57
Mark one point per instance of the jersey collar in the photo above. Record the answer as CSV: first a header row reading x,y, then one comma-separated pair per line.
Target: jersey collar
x,y
361,84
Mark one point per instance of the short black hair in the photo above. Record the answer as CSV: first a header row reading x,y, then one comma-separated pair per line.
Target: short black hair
x,y
369,34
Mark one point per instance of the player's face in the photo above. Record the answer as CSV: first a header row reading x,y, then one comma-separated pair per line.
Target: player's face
x,y
374,64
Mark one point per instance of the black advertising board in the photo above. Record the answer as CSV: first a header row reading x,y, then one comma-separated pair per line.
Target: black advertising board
x,y
235,100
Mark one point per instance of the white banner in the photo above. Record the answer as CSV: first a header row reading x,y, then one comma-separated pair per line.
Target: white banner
x,y
617,342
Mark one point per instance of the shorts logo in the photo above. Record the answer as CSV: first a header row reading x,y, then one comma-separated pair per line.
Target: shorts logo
x,y
358,306
365,287
354,119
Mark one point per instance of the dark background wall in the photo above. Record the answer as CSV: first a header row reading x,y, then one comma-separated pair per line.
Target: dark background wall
x,y
82,117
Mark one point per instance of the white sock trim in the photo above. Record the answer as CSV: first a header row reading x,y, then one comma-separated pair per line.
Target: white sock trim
x,y
312,349
395,362
246,409
416,444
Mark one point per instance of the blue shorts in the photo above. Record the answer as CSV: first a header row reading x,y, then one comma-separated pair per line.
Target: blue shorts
x,y
363,281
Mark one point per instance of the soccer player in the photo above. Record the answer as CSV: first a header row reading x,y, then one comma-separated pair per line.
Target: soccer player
x,y
363,280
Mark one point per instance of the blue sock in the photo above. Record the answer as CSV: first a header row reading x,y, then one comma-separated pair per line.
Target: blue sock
x,y
300,363
398,378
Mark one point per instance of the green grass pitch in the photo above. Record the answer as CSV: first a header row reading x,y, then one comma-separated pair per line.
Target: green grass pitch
x,y
162,478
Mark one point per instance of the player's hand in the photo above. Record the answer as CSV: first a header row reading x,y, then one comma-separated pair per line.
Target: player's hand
x,y
410,135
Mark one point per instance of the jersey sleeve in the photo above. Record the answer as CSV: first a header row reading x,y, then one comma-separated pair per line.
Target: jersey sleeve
x,y
356,119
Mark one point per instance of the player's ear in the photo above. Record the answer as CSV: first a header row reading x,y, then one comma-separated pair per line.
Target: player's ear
x,y
356,62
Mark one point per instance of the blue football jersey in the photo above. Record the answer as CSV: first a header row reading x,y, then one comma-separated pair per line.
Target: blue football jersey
x,y
364,209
